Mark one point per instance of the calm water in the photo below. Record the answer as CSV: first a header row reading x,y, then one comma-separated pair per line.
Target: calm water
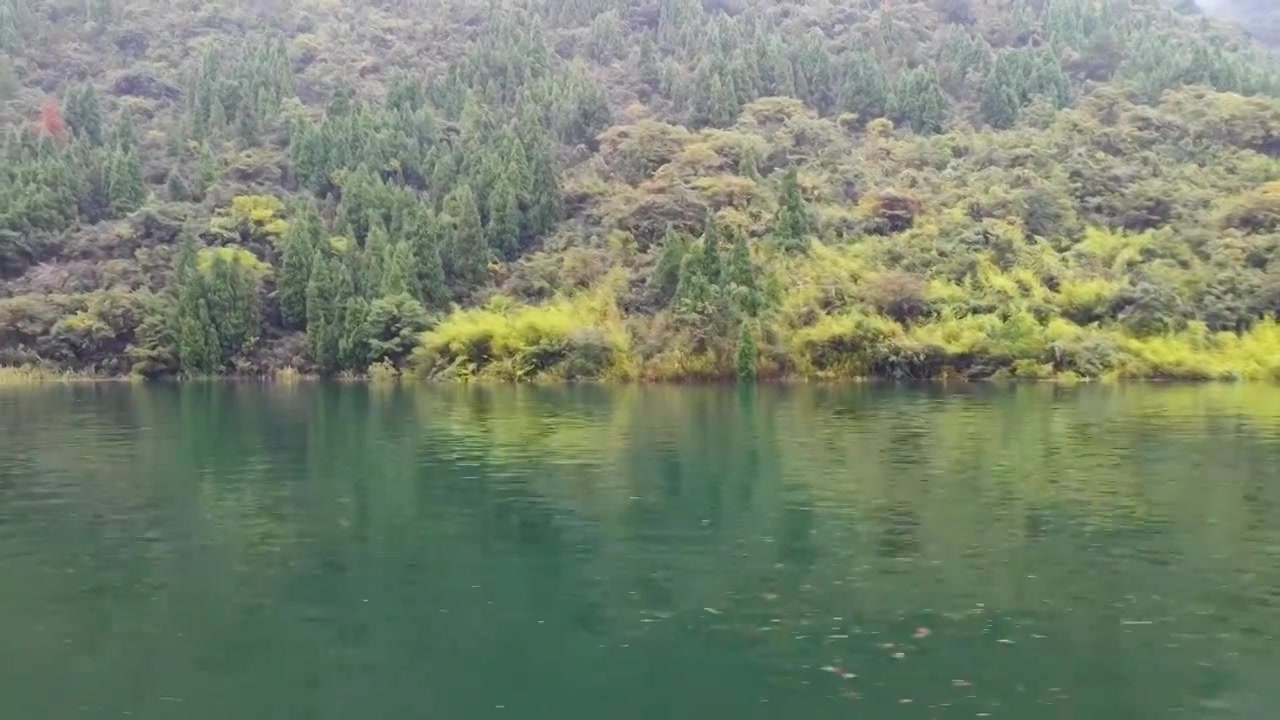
x,y
236,552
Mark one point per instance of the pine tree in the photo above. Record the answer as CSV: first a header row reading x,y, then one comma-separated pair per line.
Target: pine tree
x,y
740,276
232,292
711,264
999,104
307,151
467,256
323,320
374,272
301,243
664,283
208,169
864,89
84,115
543,206
424,238
353,343
745,358
791,223
176,187
125,137
398,270
124,183
694,289
197,339
503,232
920,103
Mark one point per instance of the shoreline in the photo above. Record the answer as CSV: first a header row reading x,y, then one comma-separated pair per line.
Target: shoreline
x,y
26,376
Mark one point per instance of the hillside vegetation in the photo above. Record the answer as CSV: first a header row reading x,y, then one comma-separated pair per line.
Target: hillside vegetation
x,y
638,189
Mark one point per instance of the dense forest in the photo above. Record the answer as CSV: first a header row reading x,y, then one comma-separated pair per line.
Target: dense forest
x,y
640,189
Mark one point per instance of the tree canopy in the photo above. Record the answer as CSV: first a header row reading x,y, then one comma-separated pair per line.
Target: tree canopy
x,y
641,189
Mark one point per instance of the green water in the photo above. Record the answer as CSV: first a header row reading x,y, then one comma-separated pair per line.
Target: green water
x,y
236,552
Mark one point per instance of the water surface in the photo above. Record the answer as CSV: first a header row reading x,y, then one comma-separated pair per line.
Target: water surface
x,y
236,552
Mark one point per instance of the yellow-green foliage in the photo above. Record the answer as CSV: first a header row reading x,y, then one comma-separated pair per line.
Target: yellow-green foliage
x,y
1085,297
1198,354
845,346
235,255
260,216
34,375
581,336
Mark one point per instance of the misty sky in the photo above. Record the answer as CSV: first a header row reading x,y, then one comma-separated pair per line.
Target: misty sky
x,y
1260,17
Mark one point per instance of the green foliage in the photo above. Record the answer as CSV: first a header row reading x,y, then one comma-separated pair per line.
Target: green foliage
x,y
125,186
1018,188
745,357
503,231
198,345
467,253
301,243
791,222
919,102
325,298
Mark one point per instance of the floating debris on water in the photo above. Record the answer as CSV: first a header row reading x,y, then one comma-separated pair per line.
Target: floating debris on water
x,y
713,611
921,633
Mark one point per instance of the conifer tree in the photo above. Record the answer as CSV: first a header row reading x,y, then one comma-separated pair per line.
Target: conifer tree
x,y
176,187
424,239
124,183
125,138
740,275
373,266
745,356
197,339
694,289
301,243
864,88
665,280
503,232
353,342
711,266
398,270
232,292
467,256
84,115
323,319
791,223
920,103
999,104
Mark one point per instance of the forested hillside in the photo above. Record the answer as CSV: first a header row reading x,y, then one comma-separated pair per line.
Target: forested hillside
x,y
638,189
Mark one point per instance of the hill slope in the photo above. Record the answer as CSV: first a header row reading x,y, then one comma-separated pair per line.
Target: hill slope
x,y
630,188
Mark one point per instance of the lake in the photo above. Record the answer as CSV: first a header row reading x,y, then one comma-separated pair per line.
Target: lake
x,y
243,551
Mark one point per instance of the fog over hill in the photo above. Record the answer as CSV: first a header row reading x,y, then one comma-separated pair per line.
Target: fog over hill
x,y
1260,17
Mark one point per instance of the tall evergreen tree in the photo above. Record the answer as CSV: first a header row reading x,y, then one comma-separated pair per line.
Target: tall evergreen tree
x,y
301,243
467,256
864,87
354,337
792,222
84,114
398,270
919,101
425,240
745,356
503,231
324,330
124,183
196,336
740,276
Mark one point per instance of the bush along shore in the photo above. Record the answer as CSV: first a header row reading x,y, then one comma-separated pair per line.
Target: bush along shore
x,y
643,190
